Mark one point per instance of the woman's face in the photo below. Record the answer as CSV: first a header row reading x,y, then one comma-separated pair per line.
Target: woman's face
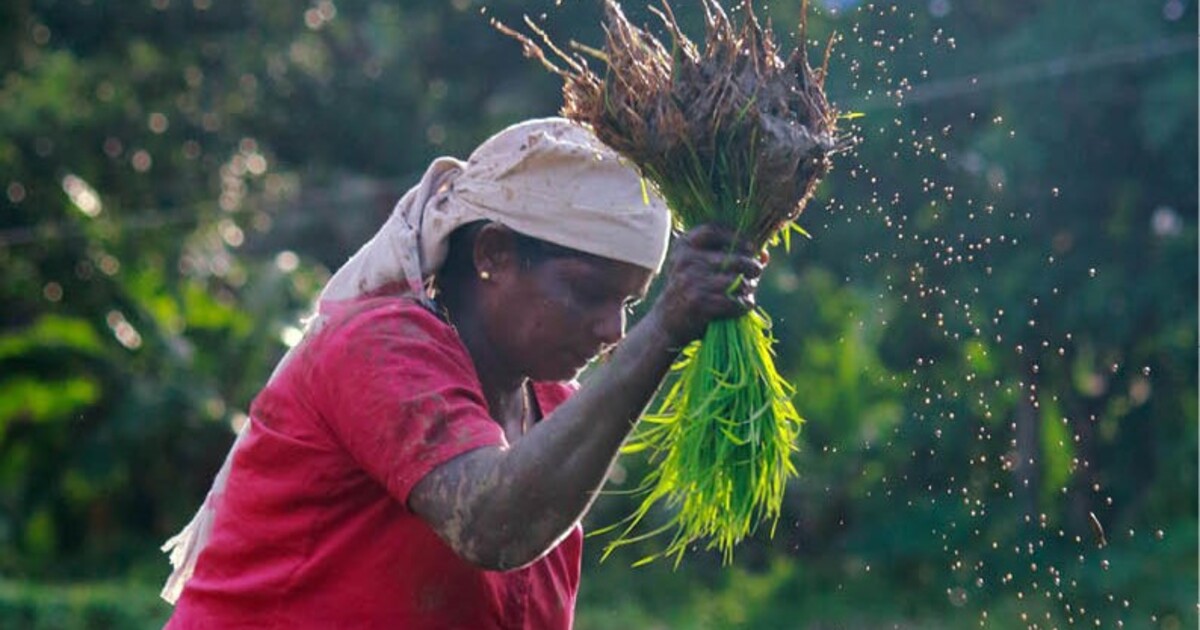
x,y
551,318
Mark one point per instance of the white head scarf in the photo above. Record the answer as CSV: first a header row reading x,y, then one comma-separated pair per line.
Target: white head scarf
x,y
548,178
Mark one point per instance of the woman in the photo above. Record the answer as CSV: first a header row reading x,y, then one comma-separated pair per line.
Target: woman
x,y
422,459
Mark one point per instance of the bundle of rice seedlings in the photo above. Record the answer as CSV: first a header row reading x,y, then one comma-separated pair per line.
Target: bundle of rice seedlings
x,y
731,134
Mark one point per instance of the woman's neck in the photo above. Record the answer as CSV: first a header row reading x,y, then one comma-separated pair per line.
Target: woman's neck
x,y
503,389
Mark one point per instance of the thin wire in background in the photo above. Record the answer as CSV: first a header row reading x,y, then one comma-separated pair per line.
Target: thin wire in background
x,y
921,94
1036,71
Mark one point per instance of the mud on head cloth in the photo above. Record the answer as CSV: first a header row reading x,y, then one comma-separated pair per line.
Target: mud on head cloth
x,y
552,179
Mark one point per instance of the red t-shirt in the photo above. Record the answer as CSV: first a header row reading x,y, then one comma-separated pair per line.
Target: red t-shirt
x,y
314,530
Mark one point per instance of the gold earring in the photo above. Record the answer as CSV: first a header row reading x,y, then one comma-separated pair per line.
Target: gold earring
x,y
485,276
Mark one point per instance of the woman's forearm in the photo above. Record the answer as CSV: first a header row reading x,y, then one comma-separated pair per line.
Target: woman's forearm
x,y
504,508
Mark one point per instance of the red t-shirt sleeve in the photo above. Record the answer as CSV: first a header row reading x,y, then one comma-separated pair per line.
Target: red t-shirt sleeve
x,y
398,390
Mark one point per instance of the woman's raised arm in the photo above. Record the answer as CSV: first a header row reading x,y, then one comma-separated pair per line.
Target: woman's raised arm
x,y
502,508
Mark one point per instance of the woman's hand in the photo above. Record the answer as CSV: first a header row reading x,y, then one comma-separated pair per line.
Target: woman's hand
x,y
710,275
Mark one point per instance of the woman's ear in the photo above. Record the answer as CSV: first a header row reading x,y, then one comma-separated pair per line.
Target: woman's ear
x,y
495,253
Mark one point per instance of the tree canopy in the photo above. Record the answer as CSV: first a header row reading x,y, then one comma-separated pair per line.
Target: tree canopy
x,y
992,330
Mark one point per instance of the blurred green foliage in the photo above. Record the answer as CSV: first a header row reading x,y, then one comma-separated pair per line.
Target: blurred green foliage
x,y
91,606
992,331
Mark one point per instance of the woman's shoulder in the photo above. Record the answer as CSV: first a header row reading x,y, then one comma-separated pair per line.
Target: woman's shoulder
x,y
370,310
387,318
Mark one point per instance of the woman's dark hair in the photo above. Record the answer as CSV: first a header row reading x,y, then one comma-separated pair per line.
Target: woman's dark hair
x,y
532,251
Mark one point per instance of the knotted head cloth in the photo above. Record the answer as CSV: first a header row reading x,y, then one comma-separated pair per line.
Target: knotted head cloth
x,y
548,178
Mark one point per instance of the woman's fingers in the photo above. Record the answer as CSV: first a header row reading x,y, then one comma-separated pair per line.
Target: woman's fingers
x,y
719,261
712,275
717,238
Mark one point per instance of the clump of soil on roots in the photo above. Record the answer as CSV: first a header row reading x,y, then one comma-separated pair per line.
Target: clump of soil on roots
x,y
733,133
738,136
